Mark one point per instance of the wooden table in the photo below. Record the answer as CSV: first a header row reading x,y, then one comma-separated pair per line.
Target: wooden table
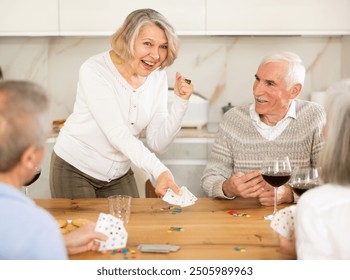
x,y
209,232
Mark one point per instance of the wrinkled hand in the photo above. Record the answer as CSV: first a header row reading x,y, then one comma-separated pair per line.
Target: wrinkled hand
x,y
83,239
165,181
244,185
284,195
182,88
267,197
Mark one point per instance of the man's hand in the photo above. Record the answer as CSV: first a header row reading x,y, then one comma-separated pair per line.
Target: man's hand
x,y
284,195
244,185
83,239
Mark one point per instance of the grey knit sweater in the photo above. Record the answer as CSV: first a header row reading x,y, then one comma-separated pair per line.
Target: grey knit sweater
x,y
239,147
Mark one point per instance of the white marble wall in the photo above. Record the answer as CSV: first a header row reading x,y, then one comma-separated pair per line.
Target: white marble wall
x,y
221,68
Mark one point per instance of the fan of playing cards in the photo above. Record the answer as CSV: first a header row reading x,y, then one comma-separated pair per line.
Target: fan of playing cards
x,y
186,198
114,229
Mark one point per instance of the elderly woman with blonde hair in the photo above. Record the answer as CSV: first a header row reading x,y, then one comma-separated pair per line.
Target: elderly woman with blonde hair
x,y
122,92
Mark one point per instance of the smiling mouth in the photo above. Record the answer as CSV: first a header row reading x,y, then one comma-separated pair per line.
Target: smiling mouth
x,y
148,64
260,101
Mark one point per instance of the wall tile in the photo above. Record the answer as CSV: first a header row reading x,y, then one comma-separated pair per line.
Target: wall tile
x,y
222,68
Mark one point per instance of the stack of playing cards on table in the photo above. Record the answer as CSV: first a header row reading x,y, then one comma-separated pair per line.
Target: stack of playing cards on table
x,y
283,221
186,198
114,229
158,248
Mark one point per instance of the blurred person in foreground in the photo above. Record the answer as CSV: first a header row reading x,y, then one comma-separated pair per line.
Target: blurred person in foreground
x,y
276,124
322,225
28,231
122,92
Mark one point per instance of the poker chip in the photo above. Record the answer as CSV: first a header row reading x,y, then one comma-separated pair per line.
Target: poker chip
x,y
235,214
177,229
126,252
241,250
172,209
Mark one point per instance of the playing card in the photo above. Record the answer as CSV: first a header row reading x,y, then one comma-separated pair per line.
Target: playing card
x,y
186,198
114,229
182,198
189,198
171,197
283,221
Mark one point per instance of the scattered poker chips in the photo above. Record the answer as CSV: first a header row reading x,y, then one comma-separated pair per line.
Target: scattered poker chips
x,y
126,252
241,250
172,209
235,214
177,229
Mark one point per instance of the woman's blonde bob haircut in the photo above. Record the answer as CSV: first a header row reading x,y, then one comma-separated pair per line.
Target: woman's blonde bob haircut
x,y
123,40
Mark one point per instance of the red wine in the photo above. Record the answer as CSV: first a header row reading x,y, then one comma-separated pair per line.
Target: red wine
x,y
35,177
276,179
299,189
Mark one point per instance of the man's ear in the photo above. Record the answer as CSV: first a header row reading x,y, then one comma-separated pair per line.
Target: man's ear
x,y
28,157
296,89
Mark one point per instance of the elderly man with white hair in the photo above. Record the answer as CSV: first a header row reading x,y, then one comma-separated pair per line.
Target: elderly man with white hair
x,y
276,124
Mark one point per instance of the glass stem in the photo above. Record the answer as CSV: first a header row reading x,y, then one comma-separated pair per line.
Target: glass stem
x,y
275,202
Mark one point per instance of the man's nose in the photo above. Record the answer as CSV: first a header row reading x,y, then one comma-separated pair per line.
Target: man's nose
x,y
258,88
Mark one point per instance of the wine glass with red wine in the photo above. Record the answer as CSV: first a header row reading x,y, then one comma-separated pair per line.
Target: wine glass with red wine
x,y
276,172
32,180
303,179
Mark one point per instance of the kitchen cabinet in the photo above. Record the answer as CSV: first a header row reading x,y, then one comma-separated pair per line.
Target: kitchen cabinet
x,y
29,18
195,17
90,17
186,159
271,17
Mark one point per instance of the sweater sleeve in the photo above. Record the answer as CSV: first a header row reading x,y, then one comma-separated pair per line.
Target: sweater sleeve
x,y
320,119
220,163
